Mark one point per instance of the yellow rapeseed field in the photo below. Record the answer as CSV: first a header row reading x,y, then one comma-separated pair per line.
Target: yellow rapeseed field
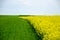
x,y
49,26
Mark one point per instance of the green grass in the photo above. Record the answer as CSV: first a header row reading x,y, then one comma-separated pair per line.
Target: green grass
x,y
14,28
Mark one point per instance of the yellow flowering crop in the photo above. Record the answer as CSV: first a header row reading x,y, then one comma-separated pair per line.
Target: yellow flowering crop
x,y
49,26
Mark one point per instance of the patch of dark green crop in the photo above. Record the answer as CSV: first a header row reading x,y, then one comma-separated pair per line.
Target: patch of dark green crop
x,y
14,28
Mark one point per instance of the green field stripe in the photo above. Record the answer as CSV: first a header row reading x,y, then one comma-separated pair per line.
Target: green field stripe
x,y
14,28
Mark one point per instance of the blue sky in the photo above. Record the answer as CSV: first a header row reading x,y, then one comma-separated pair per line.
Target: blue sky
x,y
29,7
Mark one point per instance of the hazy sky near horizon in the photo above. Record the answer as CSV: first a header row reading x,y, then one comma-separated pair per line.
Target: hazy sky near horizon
x,y
29,7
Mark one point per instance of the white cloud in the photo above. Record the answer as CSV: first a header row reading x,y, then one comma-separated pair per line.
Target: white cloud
x,y
31,6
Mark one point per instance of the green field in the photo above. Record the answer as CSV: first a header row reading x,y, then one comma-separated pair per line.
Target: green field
x,y
14,28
